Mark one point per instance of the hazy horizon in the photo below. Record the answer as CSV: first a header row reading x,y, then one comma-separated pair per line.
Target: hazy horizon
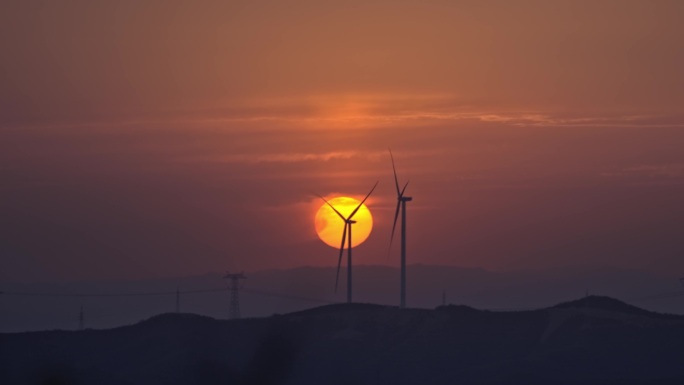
x,y
531,270
111,303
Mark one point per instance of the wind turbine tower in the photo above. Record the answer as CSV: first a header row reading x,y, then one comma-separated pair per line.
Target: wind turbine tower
x,y
347,236
234,309
401,205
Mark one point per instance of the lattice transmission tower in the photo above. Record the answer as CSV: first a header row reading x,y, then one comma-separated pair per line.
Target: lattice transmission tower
x,y
177,300
81,319
234,287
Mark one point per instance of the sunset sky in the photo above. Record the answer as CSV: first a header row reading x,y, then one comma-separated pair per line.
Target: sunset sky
x,y
164,138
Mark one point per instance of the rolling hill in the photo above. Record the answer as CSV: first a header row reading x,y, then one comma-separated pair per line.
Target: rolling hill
x,y
594,340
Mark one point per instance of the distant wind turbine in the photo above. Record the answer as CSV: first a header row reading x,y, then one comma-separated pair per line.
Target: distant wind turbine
x,y
401,205
348,222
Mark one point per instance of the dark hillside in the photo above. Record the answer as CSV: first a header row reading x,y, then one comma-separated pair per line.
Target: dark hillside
x,y
594,340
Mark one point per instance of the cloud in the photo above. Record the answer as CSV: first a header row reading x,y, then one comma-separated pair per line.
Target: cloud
x,y
392,111
286,157
526,119
302,157
283,157
651,174
346,111
672,170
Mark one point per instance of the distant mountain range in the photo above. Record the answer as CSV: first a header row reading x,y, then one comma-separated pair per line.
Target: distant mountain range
x,y
594,340
269,292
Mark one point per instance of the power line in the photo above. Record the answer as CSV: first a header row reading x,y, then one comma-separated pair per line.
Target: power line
x,y
286,296
141,294
169,293
657,296
671,294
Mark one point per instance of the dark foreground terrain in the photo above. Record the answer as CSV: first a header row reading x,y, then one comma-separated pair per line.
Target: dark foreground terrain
x,y
595,340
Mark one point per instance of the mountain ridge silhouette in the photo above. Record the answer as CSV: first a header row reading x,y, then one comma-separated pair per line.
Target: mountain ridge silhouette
x,y
591,340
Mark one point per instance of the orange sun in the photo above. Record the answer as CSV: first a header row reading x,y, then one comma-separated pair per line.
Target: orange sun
x,y
329,226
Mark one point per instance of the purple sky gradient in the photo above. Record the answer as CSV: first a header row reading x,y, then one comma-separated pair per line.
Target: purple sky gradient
x,y
146,139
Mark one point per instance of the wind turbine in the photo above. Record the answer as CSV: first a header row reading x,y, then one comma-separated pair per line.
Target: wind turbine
x,y
401,205
348,222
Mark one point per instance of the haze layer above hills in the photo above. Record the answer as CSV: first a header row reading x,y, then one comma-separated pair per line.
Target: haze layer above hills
x,y
269,292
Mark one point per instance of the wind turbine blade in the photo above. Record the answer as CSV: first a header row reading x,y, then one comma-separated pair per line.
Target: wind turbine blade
x,y
396,181
364,199
404,189
339,260
394,226
333,207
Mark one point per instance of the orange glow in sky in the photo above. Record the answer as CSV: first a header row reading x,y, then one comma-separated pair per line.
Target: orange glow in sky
x,y
162,138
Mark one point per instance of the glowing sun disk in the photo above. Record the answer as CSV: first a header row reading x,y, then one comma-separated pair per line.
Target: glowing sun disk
x,y
329,226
